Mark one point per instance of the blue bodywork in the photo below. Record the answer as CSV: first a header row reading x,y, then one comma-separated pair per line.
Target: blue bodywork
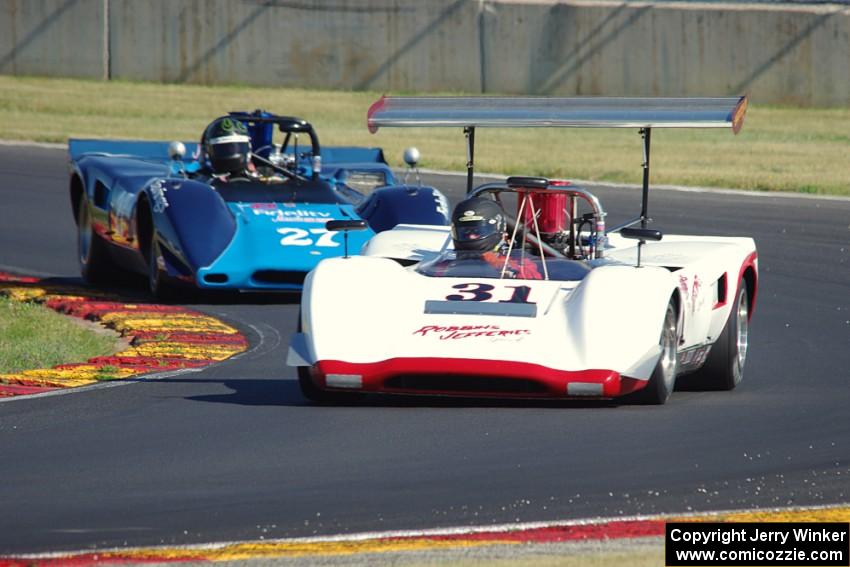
x,y
149,213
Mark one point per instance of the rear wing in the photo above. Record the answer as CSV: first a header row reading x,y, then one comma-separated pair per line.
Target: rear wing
x,y
158,151
352,154
473,112
140,149
543,112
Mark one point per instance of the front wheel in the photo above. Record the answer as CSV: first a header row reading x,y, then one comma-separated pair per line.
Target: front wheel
x,y
309,389
663,378
724,368
312,392
159,287
323,397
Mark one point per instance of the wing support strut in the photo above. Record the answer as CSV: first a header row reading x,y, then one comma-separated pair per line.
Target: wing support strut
x,y
646,134
643,113
469,132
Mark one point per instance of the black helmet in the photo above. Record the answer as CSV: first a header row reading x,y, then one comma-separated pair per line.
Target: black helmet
x,y
478,224
226,145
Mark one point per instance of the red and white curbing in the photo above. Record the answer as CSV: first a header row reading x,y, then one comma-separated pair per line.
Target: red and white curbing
x,y
161,337
590,530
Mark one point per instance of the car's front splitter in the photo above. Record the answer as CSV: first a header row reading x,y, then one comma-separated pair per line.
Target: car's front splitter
x,y
476,377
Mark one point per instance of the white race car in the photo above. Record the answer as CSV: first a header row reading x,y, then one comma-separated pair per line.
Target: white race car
x,y
567,309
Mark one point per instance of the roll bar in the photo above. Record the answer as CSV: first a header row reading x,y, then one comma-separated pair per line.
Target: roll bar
x,y
260,124
597,245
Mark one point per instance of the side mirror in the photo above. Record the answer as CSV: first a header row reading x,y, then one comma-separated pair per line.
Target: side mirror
x,y
176,150
345,226
411,156
641,234
338,225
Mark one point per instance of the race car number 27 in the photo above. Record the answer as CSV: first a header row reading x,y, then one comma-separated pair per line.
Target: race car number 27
x,y
303,237
482,292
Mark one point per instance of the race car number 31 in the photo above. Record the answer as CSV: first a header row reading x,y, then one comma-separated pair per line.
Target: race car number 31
x,y
487,292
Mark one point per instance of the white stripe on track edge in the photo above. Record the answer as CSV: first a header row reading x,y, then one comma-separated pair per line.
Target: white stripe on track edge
x,y
655,187
65,391
459,530
29,144
145,377
496,176
23,272
152,377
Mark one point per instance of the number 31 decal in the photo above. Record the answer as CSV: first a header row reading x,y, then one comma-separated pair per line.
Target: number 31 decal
x,y
481,292
302,237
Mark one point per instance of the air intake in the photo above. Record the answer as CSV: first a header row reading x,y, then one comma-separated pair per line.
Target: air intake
x,y
277,277
216,278
464,384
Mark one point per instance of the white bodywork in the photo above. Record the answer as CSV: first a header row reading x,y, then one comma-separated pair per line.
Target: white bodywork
x,y
600,324
371,308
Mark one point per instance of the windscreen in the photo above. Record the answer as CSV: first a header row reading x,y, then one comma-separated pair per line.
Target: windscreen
x,y
519,264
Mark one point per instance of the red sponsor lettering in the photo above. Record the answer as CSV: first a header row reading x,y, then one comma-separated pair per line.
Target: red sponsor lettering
x,y
454,332
695,292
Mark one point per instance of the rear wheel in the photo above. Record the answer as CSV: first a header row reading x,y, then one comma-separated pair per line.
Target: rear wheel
x,y
724,368
663,378
91,249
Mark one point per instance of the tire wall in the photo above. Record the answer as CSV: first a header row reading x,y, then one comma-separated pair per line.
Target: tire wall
x,y
789,54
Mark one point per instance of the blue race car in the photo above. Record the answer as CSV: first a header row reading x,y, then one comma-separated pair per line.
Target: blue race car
x,y
148,208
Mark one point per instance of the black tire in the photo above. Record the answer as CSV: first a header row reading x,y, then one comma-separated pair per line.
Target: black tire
x,y
324,397
158,285
724,367
309,389
315,394
663,379
92,254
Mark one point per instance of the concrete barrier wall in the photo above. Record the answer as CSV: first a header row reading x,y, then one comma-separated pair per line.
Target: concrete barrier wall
x,y
798,55
52,37
784,54
344,44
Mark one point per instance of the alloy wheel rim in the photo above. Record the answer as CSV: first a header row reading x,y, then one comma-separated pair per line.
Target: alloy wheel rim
x,y
742,339
668,350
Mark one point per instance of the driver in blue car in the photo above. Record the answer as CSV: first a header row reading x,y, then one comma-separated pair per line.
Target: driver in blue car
x,y
226,151
479,231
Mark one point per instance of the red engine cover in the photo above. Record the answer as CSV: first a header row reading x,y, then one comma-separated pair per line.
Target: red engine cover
x,y
551,209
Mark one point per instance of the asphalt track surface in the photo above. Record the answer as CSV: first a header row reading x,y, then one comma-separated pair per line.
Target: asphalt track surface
x,y
234,451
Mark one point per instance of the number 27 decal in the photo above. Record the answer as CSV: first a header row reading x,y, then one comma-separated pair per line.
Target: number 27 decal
x,y
481,292
302,237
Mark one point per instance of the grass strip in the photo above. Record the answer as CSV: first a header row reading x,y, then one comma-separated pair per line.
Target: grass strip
x,y
33,336
779,149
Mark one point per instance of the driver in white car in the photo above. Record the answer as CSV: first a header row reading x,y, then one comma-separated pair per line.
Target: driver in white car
x,y
479,234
